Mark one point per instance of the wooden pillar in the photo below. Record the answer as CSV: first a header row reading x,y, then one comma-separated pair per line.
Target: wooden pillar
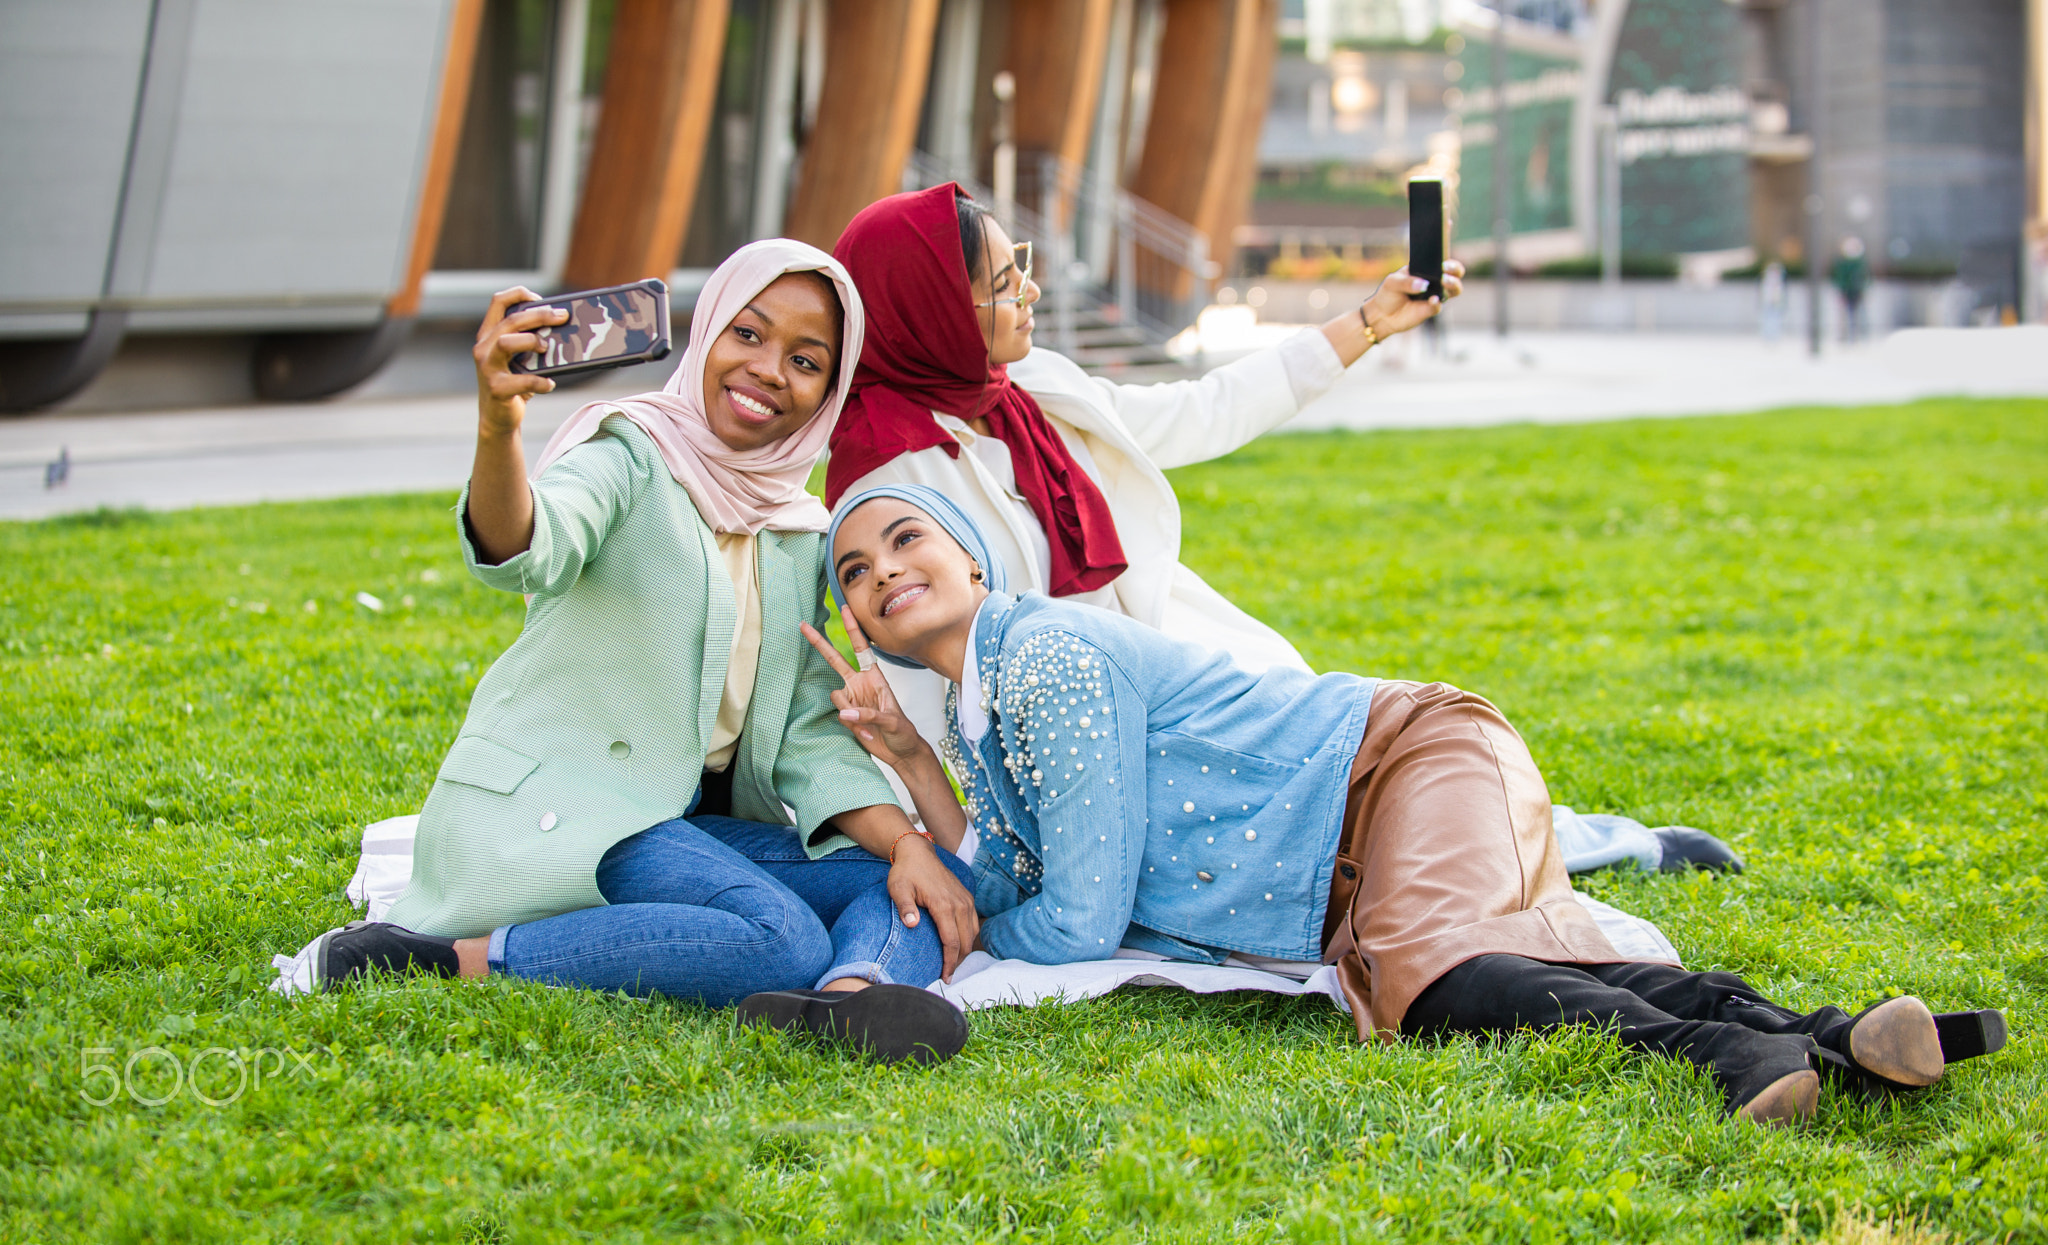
x,y
877,56
2034,258
660,90
1056,51
1241,158
459,62
1208,104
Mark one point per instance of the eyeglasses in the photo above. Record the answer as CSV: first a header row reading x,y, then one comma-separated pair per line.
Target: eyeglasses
x,y
1020,259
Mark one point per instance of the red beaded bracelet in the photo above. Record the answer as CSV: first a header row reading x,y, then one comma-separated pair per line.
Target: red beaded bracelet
x,y
922,834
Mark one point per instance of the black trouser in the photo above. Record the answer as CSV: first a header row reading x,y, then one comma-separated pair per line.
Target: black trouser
x,y
1717,1021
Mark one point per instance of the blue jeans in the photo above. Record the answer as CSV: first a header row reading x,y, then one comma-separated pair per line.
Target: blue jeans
x,y
713,909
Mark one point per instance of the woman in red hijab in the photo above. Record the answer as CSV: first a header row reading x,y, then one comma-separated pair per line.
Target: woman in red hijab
x,y
1063,472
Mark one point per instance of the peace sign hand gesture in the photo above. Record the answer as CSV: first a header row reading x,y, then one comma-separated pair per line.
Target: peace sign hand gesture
x,y
866,704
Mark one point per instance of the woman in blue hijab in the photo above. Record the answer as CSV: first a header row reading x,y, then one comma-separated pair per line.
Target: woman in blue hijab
x,y
1126,790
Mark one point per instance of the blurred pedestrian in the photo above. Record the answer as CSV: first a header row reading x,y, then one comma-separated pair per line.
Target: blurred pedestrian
x,y
1771,301
1851,275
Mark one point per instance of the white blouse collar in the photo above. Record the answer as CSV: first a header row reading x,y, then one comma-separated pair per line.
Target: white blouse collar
x,y
970,709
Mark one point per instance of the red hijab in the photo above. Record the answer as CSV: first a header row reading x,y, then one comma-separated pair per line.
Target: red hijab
x,y
924,353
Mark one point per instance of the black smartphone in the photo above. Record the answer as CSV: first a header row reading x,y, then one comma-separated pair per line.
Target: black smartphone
x,y
612,327
1426,234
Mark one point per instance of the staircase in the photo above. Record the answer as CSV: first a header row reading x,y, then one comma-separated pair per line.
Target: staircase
x,y
1106,345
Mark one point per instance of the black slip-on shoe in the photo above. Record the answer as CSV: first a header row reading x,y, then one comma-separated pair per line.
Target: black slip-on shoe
x,y
1960,1036
360,946
1793,1097
1777,1083
1966,1035
1896,1042
888,1022
1686,848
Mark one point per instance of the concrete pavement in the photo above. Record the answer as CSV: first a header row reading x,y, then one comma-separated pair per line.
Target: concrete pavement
x,y
1573,377
229,456
171,459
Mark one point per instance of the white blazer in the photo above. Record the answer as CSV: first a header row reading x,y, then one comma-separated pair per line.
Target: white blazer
x,y
1125,436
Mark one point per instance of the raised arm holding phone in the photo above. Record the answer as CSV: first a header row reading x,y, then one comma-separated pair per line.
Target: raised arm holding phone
x,y
500,511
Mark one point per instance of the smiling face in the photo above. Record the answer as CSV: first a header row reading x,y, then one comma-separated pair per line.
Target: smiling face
x,y
768,372
908,582
1006,326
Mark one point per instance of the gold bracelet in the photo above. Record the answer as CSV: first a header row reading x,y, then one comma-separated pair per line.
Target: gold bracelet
x,y
1371,338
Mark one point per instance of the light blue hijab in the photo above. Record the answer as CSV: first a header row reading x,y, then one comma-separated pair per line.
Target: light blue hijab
x,y
944,513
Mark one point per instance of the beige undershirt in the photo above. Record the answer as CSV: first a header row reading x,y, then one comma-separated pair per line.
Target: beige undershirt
x,y
737,550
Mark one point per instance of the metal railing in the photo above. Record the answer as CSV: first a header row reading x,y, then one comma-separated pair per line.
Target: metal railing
x,y
1093,239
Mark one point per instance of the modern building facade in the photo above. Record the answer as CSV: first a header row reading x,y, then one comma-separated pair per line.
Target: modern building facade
x,y
297,187
320,178
1922,117
1699,131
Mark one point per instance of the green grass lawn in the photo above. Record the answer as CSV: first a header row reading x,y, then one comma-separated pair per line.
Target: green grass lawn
x,y
1819,634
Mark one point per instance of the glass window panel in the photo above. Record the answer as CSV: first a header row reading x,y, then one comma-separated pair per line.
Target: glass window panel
x,y
494,199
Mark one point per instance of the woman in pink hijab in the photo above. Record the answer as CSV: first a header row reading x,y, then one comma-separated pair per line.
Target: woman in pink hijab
x,y
616,811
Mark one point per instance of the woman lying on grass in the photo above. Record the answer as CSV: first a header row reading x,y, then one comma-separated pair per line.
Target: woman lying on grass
x,y
612,813
1126,790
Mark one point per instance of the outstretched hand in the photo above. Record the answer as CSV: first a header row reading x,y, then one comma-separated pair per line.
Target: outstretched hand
x,y
1390,310
500,514
865,703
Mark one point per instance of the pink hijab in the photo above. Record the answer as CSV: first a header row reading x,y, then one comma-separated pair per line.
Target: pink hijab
x,y
734,491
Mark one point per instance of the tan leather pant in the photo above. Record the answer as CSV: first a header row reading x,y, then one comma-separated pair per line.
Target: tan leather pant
x,y
1447,853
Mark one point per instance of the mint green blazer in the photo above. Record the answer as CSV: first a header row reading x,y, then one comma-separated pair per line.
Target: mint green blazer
x,y
593,725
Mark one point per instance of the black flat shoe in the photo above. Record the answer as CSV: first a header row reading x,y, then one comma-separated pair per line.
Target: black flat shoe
x,y
1966,1035
1781,1088
360,946
1687,848
891,1023
1786,1101
1896,1042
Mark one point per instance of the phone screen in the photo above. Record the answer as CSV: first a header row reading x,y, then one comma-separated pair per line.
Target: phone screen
x,y
602,326
1426,234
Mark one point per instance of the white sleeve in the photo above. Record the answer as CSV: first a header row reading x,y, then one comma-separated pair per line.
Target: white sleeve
x,y
1312,365
1192,421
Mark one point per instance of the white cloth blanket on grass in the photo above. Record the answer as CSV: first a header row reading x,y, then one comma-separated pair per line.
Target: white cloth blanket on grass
x,y
981,980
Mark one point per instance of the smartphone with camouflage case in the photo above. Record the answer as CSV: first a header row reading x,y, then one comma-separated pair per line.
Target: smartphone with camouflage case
x,y
613,327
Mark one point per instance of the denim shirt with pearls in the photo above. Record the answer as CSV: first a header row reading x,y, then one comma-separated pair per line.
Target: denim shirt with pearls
x,y
1136,791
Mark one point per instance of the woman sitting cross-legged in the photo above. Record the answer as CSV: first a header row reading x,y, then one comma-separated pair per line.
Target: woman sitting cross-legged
x,y
612,813
1126,790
